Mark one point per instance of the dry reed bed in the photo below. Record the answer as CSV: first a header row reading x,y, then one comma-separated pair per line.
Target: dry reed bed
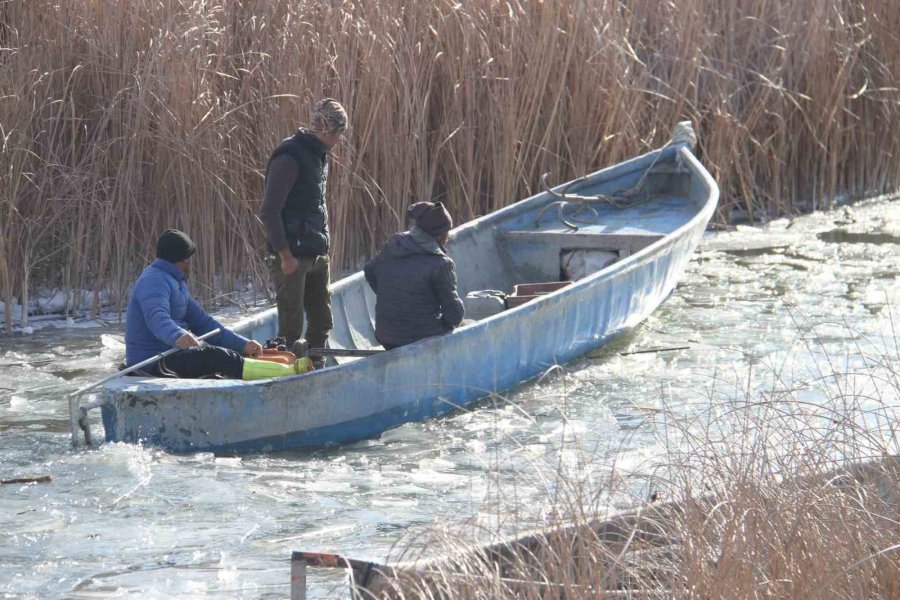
x,y
753,498
119,119
833,535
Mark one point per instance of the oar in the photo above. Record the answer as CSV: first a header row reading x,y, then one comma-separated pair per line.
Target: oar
x,y
341,352
78,420
301,348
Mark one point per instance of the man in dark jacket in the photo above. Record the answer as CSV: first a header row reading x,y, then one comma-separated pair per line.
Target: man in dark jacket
x,y
162,315
295,215
415,281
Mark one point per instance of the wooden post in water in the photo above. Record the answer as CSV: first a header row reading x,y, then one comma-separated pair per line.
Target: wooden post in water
x,y
298,576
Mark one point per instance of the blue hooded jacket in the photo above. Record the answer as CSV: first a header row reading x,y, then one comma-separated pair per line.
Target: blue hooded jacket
x,y
161,310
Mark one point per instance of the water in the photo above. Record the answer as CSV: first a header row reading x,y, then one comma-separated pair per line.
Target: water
x,y
128,521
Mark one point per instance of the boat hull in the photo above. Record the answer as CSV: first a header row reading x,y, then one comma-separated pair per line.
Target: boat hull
x,y
363,398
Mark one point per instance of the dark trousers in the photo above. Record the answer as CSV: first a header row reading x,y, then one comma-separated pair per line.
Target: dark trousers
x,y
304,290
195,363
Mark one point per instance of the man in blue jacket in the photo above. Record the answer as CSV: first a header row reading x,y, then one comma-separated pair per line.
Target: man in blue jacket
x,y
162,315
415,281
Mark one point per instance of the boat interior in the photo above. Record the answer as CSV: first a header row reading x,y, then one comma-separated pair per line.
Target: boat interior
x,y
542,240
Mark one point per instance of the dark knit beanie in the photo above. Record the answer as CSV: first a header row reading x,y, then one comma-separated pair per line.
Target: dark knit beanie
x,y
431,217
174,246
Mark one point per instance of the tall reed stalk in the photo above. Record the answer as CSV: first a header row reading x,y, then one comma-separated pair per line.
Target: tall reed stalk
x,y
120,119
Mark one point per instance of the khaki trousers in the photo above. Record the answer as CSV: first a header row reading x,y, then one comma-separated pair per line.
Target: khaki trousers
x,y
304,290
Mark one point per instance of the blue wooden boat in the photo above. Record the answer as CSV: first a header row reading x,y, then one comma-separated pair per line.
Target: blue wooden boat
x,y
644,217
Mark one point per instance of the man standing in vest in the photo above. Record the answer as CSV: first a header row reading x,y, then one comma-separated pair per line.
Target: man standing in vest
x,y
296,220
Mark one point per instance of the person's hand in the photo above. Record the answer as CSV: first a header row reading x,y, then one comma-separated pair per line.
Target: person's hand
x,y
187,340
289,264
252,349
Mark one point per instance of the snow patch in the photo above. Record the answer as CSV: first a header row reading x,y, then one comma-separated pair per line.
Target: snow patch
x,y
54,303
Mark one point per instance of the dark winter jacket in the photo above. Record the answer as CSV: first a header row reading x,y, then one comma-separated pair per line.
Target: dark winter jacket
x,y
415,286
161,310
301,218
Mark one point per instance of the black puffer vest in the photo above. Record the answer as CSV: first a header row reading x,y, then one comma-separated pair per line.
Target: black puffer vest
x,y
305,215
